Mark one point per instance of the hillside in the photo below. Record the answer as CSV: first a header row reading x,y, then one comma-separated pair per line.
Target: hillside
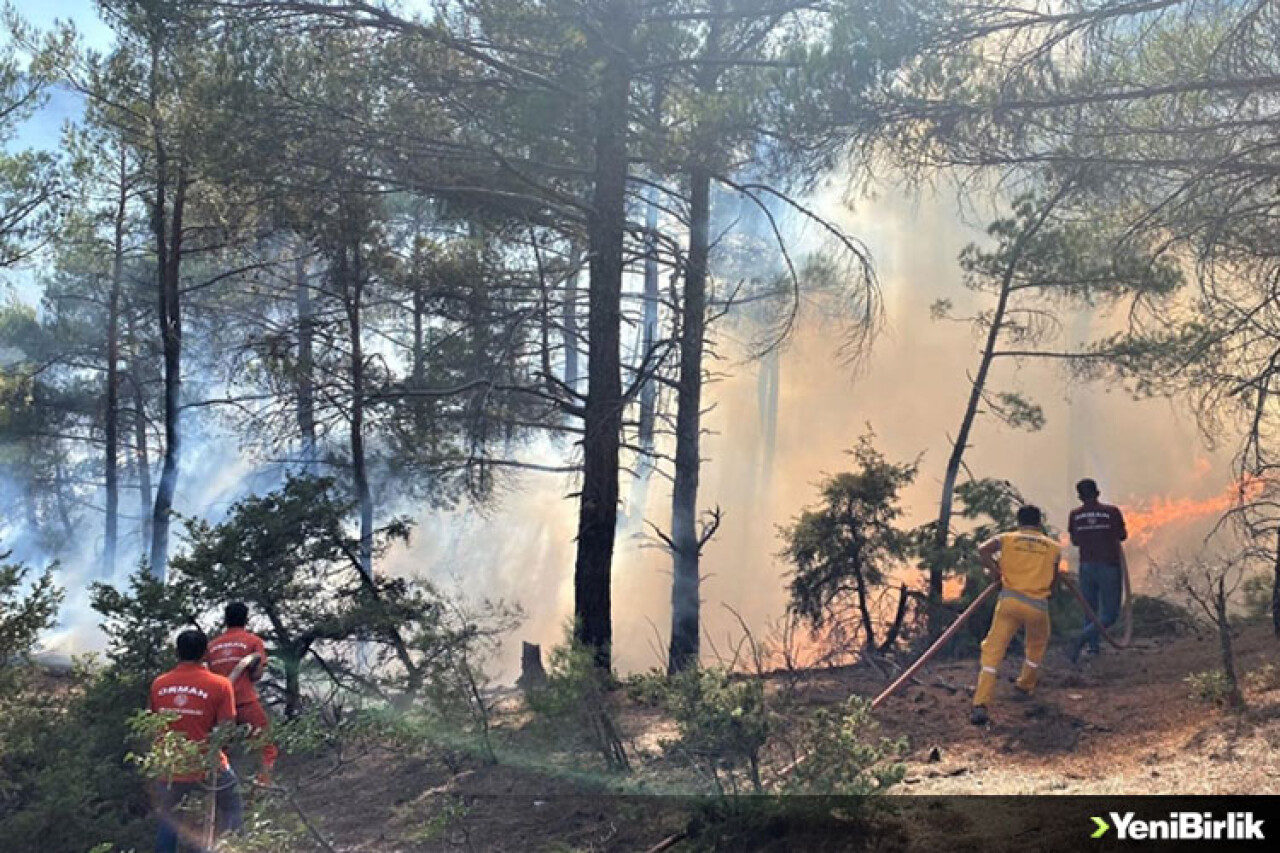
x,y
1124,723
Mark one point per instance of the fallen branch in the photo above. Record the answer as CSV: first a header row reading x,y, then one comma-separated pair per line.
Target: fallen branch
x,y
668,842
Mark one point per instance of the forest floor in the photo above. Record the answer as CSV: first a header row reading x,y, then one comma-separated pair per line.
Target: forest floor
x,y
1125,722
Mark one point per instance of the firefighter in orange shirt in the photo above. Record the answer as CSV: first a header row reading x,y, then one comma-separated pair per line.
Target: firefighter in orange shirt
x,y
199,700
224,653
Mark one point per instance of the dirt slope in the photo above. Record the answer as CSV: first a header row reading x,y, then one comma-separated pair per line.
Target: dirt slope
x,y
1125,722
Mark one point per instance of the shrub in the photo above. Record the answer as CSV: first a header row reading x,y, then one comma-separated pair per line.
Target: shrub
x,y
1211,685
841,755
723,723
63,782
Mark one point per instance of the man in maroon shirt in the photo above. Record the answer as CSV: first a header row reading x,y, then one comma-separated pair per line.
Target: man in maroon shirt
x,y
199,700
1097,529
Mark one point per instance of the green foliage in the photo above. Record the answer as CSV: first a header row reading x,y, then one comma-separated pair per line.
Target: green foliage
x,y
141,622
1264,678
1158,617
1257,592
1211,685
27,608
850,541
291,556
63,749
989,506
841,755
723,722
1016,411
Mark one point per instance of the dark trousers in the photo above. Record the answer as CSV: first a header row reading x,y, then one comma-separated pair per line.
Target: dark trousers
x,y
173,828
1100,584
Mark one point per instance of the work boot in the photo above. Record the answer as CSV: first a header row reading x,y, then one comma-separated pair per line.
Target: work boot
x,y
979,715
1021,694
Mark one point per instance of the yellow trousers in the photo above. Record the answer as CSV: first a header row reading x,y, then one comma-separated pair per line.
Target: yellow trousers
x,y
1011,615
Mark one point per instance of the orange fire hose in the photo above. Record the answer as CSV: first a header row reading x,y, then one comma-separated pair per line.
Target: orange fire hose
x,y
937,645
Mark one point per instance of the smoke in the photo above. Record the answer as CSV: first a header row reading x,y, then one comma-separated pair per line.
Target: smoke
x,y
911,392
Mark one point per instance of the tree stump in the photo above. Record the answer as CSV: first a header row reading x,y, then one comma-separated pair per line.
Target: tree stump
x,y
532,675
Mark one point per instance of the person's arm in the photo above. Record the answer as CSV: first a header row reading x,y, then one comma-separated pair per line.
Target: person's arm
x,y
1121,533
226,708
1071,529
987,554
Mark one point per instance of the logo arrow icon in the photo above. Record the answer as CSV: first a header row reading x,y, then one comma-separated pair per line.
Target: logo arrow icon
x,y
1102,828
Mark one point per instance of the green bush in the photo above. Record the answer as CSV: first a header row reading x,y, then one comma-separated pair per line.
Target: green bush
x,y
1211,685
723,723
841,754
1157,617
63,772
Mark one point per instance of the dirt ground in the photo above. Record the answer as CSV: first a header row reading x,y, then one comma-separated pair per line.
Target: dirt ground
x,y
1125,722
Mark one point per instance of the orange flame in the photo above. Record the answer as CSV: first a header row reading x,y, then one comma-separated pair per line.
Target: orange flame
x,y
1143,522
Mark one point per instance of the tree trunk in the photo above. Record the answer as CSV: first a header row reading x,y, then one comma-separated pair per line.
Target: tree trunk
x,y
353,291
864,611
942,533
570,322
419,367
292,663
685,539
141,457
1275,590
532,673
896,628
60,501
602,418
306,361
111,418
1234,698
685,603
649,389
169,260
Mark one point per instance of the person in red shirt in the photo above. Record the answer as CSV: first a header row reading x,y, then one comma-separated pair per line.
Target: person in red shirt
x,y
200,700
224,653
1097,529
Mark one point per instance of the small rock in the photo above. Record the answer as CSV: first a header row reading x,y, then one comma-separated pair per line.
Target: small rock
x,y
1075,696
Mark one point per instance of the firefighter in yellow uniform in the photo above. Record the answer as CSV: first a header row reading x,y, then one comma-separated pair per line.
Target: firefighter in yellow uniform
x,y
1025,562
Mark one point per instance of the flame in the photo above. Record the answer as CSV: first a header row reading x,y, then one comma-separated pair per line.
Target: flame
x,y
1144,521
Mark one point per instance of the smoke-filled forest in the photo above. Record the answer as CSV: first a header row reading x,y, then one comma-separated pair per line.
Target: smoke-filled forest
x,y
595,399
